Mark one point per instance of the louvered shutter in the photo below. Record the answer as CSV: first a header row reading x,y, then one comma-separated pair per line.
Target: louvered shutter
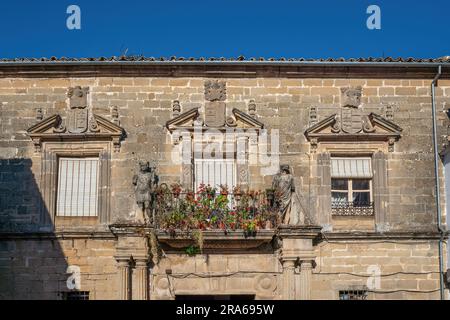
x,y
77,193
351,167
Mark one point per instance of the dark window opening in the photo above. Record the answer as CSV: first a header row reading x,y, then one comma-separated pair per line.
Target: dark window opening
x,y
75,295
352,295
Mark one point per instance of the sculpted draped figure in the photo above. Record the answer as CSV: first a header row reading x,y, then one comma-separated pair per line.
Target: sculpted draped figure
x,y
145,183
286,198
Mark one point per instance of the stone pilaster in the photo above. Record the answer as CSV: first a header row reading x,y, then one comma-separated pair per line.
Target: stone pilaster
x,y
141,270
123,265
380,191
306,267
288,278
324,190
297,250
186,161
132,255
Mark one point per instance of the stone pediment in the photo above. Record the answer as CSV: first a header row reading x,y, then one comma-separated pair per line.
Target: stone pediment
x,y
354,127
192,119
54,129
185,120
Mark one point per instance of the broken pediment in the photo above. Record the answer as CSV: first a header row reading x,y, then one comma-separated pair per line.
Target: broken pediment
x,y
53,128
192,119
184,120
354,126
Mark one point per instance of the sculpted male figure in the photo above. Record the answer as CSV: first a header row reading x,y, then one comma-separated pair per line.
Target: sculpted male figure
x,y
145,182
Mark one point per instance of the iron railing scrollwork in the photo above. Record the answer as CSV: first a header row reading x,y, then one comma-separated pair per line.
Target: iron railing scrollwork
x,y
352,208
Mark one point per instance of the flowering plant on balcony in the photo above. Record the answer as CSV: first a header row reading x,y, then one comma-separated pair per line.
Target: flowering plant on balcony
x,y
213,209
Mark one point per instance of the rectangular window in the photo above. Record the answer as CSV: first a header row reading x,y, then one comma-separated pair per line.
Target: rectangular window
x,y
351,186
77,193
215,172
75,295
352,295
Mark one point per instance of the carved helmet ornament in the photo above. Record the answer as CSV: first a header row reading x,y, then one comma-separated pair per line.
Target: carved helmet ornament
x,y
215,90
78,97
351,97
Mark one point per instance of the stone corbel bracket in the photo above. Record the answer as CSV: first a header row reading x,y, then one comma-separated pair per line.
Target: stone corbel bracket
x,y
53,129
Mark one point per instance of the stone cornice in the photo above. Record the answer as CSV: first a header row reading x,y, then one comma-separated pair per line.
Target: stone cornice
x,y
292,232
384,236
226,69
58,235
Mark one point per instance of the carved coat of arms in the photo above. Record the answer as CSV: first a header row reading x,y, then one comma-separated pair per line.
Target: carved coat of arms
x,y
215,94
351,115
78,110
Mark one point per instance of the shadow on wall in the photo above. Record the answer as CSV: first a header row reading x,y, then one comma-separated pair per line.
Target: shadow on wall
x,y
32,262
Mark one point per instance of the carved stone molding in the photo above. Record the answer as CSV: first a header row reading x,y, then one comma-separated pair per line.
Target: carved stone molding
x,y
50,153
215,90
53,129
176,108
313,115
39,114
372,127
191,120
115,115
78,97
252,108
218,240
351,96
389,112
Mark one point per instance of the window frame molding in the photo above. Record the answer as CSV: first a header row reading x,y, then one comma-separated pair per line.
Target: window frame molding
x,y
51,152
378,152
183,131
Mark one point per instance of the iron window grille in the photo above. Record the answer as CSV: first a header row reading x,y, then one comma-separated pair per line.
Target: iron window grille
x,y
75,295
353,295
345,208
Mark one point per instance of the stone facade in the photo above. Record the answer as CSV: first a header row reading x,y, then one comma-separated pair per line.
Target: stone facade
x,y
133,112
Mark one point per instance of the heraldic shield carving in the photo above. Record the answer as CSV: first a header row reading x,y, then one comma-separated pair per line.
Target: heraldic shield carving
x,y
77,120
215,94
351,115
351,120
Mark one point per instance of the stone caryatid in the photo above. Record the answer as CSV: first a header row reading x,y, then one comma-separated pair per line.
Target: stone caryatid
x,y
145,183
286,198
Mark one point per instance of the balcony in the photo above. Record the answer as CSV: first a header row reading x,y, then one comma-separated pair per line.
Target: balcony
x,y
352,208
176,211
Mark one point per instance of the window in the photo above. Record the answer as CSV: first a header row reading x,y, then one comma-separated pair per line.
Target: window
x,y
352,294
351,186
215,172
75,295
77,193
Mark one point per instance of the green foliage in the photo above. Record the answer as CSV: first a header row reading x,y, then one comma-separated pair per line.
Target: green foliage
x,y
209,209
192,250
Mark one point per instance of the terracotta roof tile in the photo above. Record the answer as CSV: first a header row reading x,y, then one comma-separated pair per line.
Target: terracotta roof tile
x,y
445,59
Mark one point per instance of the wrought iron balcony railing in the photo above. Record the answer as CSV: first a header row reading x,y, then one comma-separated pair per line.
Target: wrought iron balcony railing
x,y
210,209
352,208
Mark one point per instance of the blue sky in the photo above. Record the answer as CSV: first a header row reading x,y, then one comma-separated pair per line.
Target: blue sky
x,y
279,28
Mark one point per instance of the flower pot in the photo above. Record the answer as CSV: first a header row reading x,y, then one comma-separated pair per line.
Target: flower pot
x,y
270,196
